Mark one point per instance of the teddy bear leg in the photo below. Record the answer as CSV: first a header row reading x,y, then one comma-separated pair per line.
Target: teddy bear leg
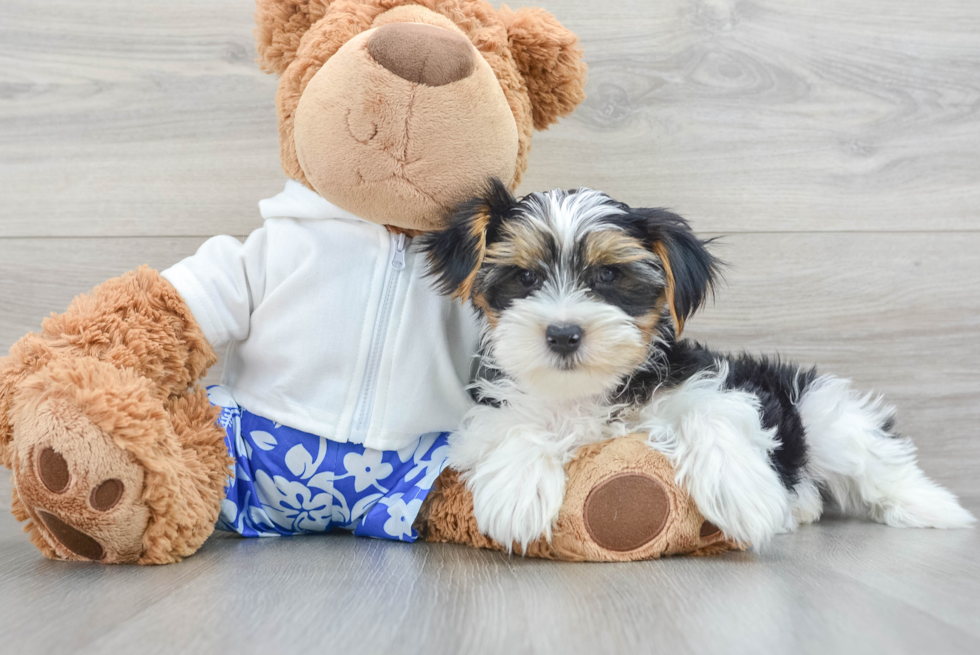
x,y
447,516
180,524
622,504
106,470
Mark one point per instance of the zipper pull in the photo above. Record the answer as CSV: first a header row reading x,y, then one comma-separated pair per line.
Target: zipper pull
x,y
398,255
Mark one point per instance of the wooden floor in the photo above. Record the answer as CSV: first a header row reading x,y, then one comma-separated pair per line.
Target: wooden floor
x,y
834,144
838,587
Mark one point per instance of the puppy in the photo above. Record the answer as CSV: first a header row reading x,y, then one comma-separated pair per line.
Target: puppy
x,y
583,301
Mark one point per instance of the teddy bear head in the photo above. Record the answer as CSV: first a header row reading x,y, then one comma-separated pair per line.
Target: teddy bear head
x,y
397,110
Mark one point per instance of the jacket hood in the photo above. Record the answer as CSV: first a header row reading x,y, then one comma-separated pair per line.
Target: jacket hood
x,y
298,201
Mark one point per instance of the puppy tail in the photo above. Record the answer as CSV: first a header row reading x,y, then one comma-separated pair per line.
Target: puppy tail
x,y
865,467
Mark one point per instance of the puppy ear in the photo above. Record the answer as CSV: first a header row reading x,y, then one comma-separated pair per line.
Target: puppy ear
x,y
550,60
691,270
456,253
279,27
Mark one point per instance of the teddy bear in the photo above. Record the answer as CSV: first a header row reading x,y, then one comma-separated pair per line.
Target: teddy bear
x,y
345,370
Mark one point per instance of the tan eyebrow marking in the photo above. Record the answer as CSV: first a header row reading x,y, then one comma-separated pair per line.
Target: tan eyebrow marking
x,y
607,247
521,245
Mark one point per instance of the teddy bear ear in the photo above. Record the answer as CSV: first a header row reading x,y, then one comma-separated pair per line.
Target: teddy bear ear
x,y
550,59
279,27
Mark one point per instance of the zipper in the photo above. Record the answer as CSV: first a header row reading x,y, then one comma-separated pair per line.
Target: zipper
x,y
365,399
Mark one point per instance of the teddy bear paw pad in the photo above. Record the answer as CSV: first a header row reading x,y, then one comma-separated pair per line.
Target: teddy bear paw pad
x,y
82,491
53,470
74,540
74,498
708,529
626,511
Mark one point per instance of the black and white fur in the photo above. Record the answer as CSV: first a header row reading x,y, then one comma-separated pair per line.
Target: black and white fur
x,y
583,299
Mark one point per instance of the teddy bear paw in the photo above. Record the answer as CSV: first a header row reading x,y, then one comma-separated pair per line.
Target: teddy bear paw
x,y
622,503
80,489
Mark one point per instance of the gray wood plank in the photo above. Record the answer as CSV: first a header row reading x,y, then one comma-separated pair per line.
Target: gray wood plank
x,y
840,141
763,116
913,592
133,119
779,114
740,604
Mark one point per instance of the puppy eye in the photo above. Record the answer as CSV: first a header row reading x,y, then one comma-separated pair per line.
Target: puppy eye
x,y
607,275
528,278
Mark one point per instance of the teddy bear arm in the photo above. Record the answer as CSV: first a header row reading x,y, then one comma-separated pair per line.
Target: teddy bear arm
x,y
137,322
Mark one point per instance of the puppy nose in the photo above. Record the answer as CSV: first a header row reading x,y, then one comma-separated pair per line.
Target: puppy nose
x,y
563,339
423,54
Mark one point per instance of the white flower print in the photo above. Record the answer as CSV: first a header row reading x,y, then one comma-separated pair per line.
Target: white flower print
x,y
263,439
405,454
402,515
432,466
229,515
261,522
325,480
362,507
300,463
367,469
291,505
372,492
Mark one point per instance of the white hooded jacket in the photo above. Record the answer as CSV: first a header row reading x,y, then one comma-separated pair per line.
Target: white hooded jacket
x,y
334,327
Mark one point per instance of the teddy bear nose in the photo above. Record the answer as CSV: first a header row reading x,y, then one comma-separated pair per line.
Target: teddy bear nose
x,y
423,54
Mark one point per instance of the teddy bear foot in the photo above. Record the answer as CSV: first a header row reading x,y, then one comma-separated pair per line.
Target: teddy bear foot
x,y
107,467
85,506
80,490
622,504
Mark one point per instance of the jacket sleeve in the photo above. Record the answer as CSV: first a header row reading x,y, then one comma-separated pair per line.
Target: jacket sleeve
x,y
222,285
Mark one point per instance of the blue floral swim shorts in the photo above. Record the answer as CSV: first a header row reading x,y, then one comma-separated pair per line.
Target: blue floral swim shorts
x,y
290,482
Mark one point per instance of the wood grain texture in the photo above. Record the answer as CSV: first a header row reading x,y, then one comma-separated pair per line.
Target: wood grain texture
x,y
121,118
838,587
141,119
780,114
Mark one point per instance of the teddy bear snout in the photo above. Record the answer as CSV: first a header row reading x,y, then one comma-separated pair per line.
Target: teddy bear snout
x,y
423,54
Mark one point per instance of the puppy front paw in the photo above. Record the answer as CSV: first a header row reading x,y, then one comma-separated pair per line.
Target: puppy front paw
x,y
517,506
749,506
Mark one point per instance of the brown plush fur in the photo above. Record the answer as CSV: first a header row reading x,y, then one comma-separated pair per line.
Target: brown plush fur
x,y
137,321
279,26
550,59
